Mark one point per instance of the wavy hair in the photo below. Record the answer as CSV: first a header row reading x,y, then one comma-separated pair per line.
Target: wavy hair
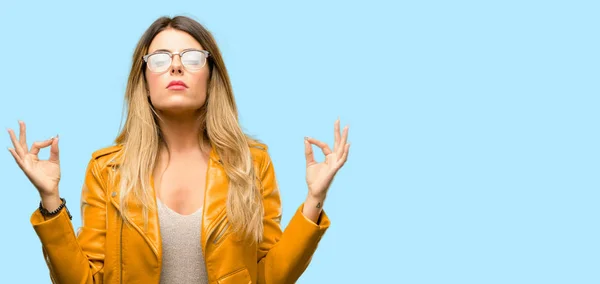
x,y
141,134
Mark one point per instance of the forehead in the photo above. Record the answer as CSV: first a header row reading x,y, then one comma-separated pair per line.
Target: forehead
x,y
173,40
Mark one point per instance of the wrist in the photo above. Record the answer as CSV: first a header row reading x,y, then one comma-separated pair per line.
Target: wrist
x,y
314,202
317,197
50,209
313,207
50,195
50,202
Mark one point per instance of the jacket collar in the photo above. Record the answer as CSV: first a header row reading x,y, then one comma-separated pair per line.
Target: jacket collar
x,y
117,158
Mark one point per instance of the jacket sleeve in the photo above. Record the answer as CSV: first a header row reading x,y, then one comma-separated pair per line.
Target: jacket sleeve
x,y
76,258
283,257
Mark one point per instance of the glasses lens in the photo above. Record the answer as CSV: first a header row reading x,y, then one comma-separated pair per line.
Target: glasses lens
x,y
159,62
193,59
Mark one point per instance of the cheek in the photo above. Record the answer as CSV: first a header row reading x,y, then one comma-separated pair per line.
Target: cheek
x,y
154,81
200,80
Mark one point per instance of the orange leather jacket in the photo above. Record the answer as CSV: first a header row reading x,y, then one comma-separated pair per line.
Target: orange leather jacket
x,y
105,250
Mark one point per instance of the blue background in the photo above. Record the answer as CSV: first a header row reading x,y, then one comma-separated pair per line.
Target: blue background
x,y
474,125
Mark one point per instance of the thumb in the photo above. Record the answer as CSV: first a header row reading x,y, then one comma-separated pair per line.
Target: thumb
x,y
54,150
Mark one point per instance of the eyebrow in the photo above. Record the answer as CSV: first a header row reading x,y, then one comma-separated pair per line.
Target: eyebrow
x,y
166,50
161,50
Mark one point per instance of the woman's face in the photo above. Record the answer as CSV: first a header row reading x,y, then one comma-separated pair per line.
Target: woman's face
x,y
176,89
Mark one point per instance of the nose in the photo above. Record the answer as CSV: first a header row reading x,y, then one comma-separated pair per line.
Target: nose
x,y
176,66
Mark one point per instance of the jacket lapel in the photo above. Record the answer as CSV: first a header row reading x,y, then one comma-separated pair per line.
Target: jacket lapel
x,y
215,197
152,234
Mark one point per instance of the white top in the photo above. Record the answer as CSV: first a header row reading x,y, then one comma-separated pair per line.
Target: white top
x,y
182,259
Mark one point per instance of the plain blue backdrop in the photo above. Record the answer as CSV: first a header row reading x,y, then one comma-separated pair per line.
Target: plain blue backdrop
x,y
474,125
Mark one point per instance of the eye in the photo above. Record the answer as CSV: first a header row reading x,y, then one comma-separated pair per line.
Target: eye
x,y
159,63
159,59
193,58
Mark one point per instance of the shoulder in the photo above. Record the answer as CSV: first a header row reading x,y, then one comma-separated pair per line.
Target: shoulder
x,y
260,153
107,155
111,155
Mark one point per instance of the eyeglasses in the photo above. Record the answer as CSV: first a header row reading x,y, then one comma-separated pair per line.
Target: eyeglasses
x,y
192,59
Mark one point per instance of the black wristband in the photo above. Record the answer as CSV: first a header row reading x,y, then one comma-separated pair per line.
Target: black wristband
x,y
46,213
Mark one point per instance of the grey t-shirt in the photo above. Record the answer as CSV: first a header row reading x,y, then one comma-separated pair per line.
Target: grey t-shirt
x,y
182,259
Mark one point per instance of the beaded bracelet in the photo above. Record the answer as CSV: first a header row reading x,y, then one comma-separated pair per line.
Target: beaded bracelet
x,y
46,213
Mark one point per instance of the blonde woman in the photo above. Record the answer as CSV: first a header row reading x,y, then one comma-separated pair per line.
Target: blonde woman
x,y
184,196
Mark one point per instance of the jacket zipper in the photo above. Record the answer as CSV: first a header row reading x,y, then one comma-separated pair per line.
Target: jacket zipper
x,y
230,273
121,254
215,228
221,232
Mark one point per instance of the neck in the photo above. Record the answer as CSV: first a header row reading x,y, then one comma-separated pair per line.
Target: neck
x,y
182,133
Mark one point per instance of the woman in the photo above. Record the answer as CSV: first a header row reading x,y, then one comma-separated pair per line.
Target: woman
x,y
184,196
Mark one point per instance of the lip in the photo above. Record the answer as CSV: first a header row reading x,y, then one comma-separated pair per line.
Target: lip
x,y
177,85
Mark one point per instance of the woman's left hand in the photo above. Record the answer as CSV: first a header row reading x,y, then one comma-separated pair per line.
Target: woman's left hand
x,y
320,175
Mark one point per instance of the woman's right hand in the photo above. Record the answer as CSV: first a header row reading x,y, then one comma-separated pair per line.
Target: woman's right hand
x,y
43,174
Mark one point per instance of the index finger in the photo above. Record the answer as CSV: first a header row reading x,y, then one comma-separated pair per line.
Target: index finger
x,y
324,147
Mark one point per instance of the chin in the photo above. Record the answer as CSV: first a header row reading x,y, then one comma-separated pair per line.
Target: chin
x,y
178,106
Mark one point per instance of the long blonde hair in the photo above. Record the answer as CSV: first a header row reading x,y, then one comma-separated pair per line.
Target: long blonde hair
x,y
141,134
